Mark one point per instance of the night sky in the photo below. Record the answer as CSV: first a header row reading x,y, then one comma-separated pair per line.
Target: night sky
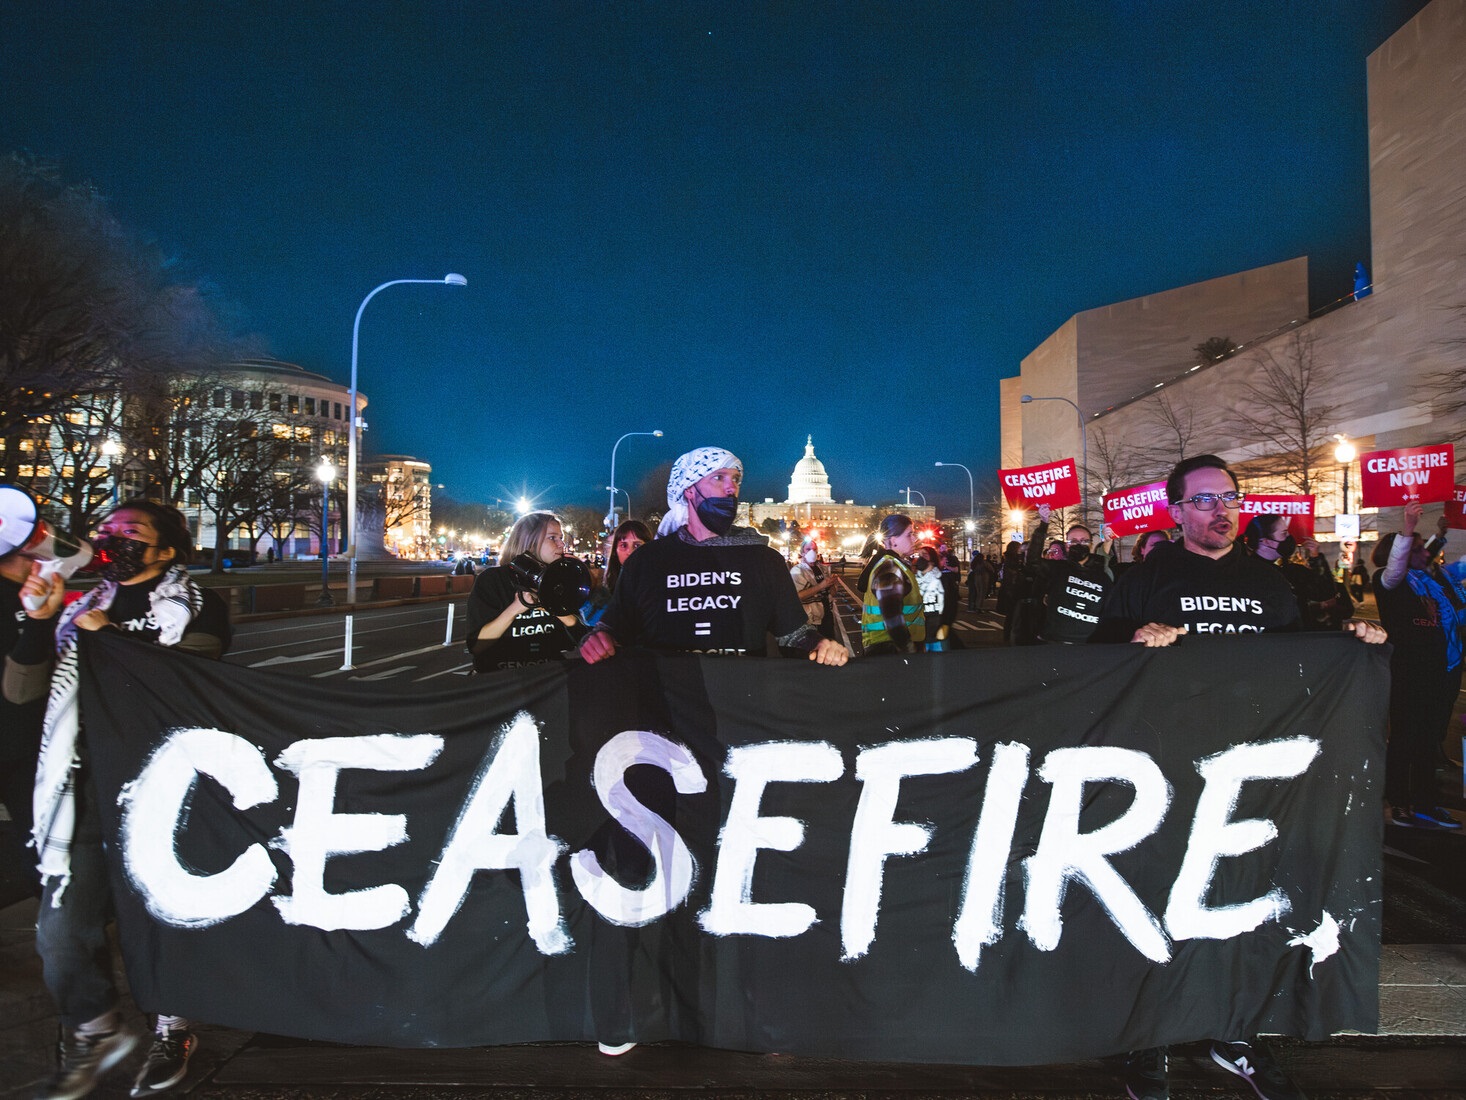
x,y
740,223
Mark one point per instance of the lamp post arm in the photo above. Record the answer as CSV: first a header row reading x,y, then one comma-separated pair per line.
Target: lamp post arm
x,y
611,515
351,429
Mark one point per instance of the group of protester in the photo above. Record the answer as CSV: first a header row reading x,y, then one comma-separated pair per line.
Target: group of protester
x,y
707,585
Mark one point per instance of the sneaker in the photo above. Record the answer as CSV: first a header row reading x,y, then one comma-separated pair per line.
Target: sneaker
x,y
84,1059
614,1050
1145,1074
1403,818
1437,816
1256,1066
167,1062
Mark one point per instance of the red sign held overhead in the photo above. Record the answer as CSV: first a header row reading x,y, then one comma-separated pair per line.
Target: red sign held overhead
x,y
1298,509
1392,478
1054,483
1136,510
1456,508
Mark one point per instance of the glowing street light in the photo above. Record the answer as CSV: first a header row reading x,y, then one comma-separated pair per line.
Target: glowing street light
x,y
325,474
1345,454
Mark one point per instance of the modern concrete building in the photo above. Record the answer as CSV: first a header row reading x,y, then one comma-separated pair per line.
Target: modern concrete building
x,y
1372,365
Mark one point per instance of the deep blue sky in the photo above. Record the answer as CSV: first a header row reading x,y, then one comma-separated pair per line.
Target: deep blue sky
x,y
740,223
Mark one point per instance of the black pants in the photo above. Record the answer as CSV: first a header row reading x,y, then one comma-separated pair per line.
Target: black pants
x,y
1421,697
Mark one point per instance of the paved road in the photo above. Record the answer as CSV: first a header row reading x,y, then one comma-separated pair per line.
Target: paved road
x,y
405,643
402,644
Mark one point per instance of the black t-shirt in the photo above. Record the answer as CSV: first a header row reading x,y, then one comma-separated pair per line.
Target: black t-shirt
x,y
1322,602
1233,594
1073,594
132,613
534,638
721,596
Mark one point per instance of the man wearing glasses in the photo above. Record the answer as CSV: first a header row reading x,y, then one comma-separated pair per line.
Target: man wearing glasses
x,y
1204,584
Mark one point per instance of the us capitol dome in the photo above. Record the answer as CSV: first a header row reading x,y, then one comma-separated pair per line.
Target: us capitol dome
x,y
812,504
810,484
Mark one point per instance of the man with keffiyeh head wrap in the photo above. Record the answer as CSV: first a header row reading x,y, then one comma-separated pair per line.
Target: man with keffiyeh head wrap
x,y
705,585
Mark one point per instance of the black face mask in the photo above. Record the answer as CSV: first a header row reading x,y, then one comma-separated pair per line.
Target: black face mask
x,y
1076,551
120,558
717,513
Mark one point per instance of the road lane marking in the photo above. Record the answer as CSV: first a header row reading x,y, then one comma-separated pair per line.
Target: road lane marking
x,y
270,662
435,648
460,670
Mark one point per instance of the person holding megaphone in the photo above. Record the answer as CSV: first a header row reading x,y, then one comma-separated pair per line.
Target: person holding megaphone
x,y
142,548
525,611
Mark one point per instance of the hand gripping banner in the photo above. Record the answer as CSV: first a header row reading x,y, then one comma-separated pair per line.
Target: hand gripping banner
x,y
1014,857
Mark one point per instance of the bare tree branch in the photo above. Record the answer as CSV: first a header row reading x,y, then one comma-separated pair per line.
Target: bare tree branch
x,y
1280,414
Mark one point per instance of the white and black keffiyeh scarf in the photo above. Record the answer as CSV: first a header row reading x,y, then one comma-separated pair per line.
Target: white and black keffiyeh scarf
x,y
175,602
688,470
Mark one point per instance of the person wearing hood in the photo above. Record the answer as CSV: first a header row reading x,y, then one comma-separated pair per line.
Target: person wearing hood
x,y
706,585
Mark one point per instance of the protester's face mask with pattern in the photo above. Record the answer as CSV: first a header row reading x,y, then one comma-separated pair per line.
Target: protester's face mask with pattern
x,y
126,548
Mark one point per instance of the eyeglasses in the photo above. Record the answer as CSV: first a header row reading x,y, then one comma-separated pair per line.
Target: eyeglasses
x,y
1207,502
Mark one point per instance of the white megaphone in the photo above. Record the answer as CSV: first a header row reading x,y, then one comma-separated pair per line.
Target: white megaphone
x,y
23,531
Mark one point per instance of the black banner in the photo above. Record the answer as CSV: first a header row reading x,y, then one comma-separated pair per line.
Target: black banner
x,y
1002,857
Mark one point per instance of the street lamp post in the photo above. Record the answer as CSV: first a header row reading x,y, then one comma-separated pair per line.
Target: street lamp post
x,y
353,427
325,474
114,450
971,504
909,490
1084,442
625,494
1344,453
612,519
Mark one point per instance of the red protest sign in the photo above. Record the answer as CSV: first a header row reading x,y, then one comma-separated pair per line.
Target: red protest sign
x,y
1138,509
1054,483
1298,509
1392,478
1456,508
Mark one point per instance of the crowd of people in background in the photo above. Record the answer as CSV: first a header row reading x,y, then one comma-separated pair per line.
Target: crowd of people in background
x,y
703,584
